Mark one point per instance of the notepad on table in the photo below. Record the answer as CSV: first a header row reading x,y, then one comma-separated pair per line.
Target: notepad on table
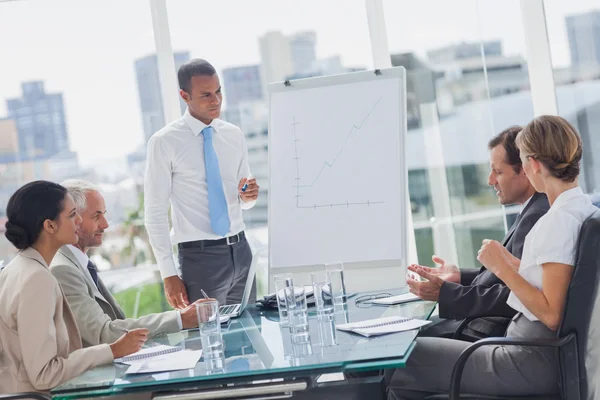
x,y
149,352
383,326
400,299
185,359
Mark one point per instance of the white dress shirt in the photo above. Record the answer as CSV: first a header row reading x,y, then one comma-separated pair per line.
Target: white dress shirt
x,y
175,175
553,239
83,259
525,204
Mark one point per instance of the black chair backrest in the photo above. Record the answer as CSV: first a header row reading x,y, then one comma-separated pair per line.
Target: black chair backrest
x,y
581,296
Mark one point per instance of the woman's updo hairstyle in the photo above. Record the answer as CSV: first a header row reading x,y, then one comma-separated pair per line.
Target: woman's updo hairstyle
x,y
29,207
555,143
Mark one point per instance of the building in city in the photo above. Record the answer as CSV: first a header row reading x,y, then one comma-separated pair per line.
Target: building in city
x,y
9,140
303,51
420,85
583,33
282,56
326,66
149,92
275,58
242,84
464,50
40,121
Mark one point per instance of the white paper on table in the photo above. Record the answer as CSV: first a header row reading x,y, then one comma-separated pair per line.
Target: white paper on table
x,y
394,328
383,325
180,360
402,298
147,352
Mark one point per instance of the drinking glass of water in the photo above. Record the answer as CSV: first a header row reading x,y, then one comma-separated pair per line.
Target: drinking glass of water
x,y
298,315
322,291
209,325
283,286
338,286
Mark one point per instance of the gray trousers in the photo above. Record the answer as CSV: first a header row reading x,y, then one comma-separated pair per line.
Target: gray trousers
x,y
221,271
490,370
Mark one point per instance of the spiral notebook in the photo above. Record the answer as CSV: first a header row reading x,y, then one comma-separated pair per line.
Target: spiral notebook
x,y
186,359
383,326
149,352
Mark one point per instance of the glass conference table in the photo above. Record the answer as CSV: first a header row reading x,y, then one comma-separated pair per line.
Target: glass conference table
x,y
261,361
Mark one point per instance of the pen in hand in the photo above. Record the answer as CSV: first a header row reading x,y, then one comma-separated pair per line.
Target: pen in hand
x,y
246,184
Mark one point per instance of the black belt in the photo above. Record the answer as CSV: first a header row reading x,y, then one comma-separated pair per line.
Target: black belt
x,y
216,242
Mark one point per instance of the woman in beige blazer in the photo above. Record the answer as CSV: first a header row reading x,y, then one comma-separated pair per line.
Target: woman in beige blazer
x,y
40,345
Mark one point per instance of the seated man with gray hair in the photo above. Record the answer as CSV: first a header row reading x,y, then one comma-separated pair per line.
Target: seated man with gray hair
x,y
99,317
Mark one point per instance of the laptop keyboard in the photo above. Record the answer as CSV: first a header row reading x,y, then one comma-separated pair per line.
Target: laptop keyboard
x,y
225,310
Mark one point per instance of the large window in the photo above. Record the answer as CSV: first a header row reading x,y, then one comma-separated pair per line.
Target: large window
x,y
252,44
255,43
70,106
80,94
574,35
467,81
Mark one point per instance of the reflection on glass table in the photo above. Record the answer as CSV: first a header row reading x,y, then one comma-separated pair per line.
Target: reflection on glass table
x,y
256,346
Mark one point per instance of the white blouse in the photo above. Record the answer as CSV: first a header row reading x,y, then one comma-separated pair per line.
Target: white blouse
x,y
553,239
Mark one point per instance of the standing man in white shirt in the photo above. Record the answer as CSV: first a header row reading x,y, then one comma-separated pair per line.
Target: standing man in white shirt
x,y
198,165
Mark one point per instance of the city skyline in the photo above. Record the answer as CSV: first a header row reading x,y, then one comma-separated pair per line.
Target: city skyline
x,y
100,95
88,54
40,120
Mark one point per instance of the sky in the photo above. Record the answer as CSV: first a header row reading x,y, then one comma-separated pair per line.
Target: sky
x,y
86,49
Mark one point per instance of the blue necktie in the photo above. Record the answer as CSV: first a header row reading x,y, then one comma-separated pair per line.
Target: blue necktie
x,y
217,204
93,272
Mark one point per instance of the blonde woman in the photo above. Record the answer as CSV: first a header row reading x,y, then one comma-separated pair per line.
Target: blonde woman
x,y
550,149
40,345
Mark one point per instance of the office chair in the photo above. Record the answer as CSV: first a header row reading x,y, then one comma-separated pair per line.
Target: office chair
x,y
572,334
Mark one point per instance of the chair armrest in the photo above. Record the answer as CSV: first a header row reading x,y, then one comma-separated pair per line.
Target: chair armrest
x,y
18,396
457,371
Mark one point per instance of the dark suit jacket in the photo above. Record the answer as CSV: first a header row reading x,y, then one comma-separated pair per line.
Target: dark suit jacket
x,y
481,293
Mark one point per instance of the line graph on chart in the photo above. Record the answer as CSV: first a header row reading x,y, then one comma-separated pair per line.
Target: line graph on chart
x,y
303,184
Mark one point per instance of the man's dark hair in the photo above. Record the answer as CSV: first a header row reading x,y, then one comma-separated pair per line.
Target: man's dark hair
x,y
195,67
506,138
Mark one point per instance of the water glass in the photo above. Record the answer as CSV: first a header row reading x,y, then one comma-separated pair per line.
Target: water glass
x,y
209,326
214,365
338,286
298,315
322,292
283,286
301,350
327,333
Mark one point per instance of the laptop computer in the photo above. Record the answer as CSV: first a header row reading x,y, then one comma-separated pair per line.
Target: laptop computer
x,y
235,310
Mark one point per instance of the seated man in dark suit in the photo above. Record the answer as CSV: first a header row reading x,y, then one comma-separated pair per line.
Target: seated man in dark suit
x,y
479,294
595,197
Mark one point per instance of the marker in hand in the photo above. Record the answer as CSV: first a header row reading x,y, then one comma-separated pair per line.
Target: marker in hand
x,y
246,184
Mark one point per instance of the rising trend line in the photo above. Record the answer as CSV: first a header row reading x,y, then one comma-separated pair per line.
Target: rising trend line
x,y
331,164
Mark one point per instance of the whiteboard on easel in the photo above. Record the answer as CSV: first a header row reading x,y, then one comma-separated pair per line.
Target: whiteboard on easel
x,y
337,172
